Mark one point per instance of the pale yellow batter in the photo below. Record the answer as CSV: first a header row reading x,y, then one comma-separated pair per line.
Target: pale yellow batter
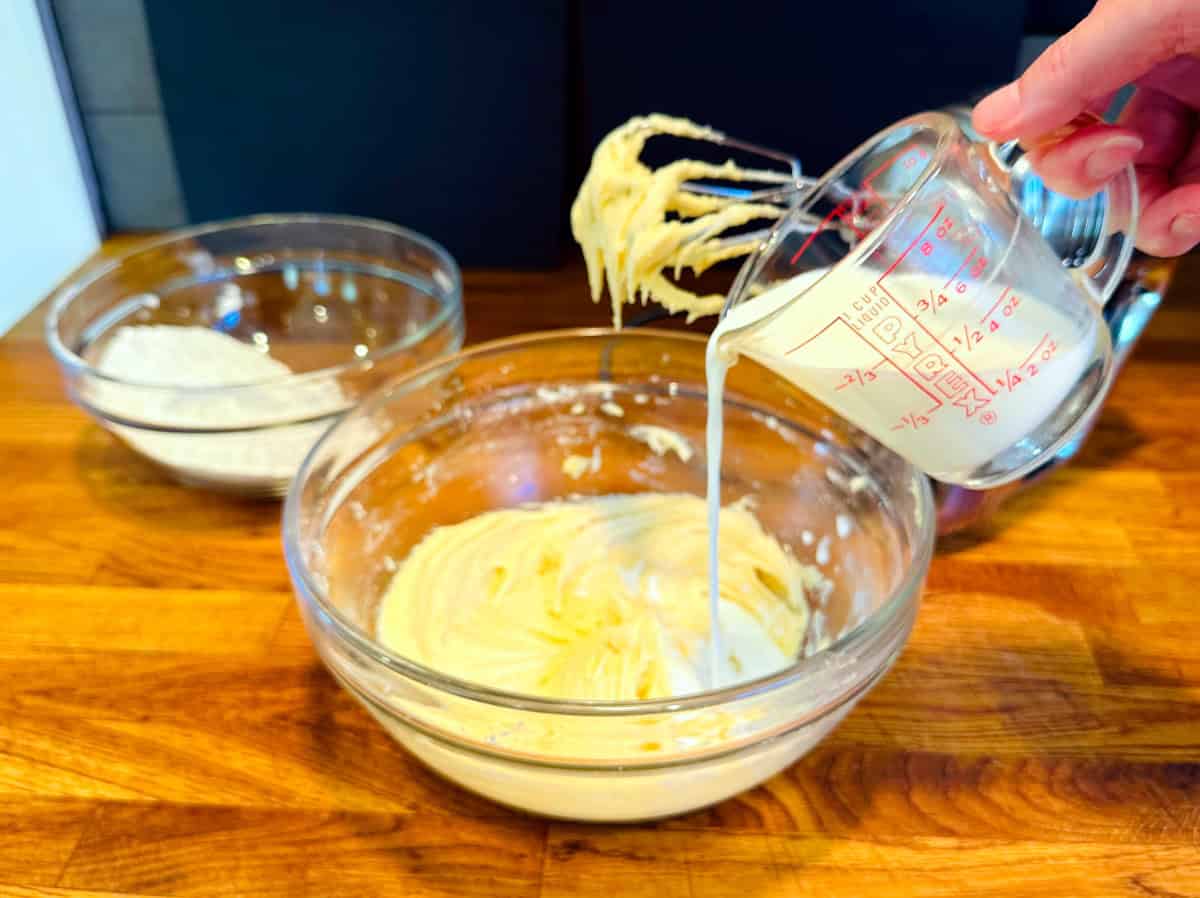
x,y
620,219
597,598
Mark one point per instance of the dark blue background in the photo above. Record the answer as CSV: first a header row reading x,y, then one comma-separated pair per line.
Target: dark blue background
x,y
473,121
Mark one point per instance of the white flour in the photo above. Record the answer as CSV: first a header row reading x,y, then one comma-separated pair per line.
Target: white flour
x,y
194,358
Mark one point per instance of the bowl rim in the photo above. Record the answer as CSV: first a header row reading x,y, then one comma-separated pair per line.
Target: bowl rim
x,y
905,593
66,293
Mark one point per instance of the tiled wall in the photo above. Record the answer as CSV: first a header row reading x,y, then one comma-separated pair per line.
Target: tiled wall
x,y
112,71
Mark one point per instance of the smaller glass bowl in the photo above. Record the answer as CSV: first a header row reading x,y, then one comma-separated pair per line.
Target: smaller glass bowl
x,y
490,428
345,303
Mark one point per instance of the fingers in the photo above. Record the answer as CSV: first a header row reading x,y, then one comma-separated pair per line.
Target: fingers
x,y
1168,170
1178,78
1157,135
1080,165
1119,41
1165,124
1170,225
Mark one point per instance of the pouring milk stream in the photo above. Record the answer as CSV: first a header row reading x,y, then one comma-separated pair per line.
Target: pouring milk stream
x,y
913,291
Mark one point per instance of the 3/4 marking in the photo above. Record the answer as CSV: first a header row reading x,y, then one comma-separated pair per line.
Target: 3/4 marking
x,y
933,302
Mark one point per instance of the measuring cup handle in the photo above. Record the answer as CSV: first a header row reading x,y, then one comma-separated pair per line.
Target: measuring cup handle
x,y
1093,237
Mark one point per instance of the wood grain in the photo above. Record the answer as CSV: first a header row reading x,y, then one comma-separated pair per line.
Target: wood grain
x,y
167,730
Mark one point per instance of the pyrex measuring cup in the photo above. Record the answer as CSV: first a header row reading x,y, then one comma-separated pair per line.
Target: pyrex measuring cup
x,y
910,293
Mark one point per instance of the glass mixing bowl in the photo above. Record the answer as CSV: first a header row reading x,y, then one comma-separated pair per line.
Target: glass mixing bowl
x,y
490,428
345,303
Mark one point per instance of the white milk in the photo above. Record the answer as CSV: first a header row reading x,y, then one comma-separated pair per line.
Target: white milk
x,y
715,368
948,388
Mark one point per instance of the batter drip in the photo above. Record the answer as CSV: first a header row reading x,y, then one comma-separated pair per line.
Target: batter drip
x,y
632,222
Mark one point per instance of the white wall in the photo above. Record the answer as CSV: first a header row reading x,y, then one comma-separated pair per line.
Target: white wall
x,y
46,222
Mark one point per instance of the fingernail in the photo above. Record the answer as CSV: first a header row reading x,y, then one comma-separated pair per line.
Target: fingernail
x,y
1112,156
1186,226
999,110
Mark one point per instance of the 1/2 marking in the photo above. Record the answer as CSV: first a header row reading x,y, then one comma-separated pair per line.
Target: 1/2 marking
x,y
969,338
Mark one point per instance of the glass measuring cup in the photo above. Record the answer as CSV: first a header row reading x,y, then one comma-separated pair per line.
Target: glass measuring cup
x,y
909,292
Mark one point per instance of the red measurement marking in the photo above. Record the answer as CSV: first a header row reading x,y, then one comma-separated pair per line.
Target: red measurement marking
x,y
883,357
936,301
979,380
941,207
1003,293
838,210
913,420
1011,380
817,334
870,179
912,380
857,233
858,376
879,364
988,417
965,263
970,337
1029,358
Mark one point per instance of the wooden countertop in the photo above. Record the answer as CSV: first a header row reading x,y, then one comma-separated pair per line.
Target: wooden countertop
x,y
166,729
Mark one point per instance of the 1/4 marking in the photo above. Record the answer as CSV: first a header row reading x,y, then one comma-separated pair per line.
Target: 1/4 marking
x,y
1014,377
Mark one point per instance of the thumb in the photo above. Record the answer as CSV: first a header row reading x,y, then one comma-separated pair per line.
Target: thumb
x,y
1119,41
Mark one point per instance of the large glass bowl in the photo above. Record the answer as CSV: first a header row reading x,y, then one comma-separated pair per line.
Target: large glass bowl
x,y
490,428
345,303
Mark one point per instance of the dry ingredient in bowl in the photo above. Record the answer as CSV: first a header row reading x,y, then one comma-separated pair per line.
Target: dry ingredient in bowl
x,y
191,358
598,598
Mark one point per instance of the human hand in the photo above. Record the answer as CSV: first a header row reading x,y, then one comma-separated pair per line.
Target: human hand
x,y
1152,44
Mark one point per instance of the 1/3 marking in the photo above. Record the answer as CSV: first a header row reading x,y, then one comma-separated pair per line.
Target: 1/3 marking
x,y
912,420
